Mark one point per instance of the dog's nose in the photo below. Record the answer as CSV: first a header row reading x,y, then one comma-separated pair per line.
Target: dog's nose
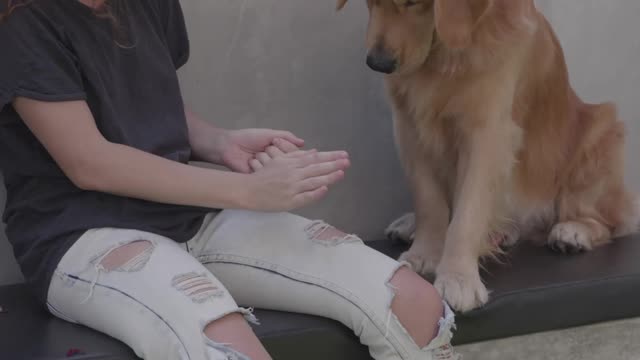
x,y
381,61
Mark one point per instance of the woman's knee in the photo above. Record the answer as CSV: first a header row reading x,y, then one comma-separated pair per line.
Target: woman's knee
x,y
417,305
232,334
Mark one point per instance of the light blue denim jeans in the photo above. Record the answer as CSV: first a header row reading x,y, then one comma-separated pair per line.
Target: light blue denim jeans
x,y
160,302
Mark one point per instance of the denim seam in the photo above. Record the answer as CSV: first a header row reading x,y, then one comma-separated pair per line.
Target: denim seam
x,y
304,278
135,300
60,314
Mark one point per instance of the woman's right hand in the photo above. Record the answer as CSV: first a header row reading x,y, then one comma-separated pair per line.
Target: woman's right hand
x,y
295,179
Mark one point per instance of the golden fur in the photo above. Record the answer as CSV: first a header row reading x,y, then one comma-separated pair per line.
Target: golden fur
x,y
493,138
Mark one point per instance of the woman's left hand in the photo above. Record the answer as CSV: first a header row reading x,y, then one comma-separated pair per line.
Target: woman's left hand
x,y
240,147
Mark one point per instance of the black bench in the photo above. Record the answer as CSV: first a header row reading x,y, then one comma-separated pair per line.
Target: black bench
x,y
533,290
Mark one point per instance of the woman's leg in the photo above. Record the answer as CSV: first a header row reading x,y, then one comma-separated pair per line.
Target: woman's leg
x,y
148,292
285,262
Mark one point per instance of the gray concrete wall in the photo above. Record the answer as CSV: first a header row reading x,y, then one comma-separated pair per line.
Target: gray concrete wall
x,y
297,65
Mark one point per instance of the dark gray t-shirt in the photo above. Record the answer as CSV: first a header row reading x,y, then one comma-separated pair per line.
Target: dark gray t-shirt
x,y
57,50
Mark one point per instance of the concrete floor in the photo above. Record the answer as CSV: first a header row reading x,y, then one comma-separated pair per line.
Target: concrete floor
x,y
609,341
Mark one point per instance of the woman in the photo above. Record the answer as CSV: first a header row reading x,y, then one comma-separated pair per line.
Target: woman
x,y
116,231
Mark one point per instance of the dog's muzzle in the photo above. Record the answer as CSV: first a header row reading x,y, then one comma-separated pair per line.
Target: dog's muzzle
x,y
381,61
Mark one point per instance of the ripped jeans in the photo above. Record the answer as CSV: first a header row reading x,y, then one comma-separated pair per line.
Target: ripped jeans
x,y
159,302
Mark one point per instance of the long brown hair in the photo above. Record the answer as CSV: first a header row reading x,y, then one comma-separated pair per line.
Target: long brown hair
x,y
10,6
107,11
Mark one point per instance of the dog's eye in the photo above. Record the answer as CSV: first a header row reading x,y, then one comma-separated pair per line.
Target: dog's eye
x,y
411,3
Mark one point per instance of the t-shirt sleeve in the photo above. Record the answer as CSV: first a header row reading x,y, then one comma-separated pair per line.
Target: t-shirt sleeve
x,y
35,63
175,30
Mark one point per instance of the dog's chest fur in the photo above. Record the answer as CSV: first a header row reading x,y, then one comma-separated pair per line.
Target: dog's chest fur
x,y
428,108
420,107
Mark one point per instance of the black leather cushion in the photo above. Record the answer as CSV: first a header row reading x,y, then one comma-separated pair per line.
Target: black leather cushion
x,y
533,290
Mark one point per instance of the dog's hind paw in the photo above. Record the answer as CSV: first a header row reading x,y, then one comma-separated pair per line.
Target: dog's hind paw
x,y
403,229
571,237
463,292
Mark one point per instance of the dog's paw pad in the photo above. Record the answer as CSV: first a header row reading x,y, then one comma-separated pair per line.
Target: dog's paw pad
x,y
570,238
463,292
419,263
403,229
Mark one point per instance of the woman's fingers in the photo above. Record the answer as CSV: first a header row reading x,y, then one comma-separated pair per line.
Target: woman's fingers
x,y
325,168
327,180
290,137
274,152
285,146
309,197
255,165
264,158
321,157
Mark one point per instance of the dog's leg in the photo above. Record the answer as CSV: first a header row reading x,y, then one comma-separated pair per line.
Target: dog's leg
x,y
595,204
428,226
485,164
431,221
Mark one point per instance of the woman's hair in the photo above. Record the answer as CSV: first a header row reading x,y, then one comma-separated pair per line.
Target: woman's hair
x,y
11,5
108,11
103,12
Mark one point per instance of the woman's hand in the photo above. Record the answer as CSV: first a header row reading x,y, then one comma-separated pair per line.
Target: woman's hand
x,y
295,179
260,160
237,148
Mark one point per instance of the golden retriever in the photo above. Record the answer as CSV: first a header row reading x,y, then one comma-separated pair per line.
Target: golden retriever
x,y
494,141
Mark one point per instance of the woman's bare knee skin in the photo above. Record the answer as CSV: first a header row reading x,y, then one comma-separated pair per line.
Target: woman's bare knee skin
x,y
417,305
122,255
234,331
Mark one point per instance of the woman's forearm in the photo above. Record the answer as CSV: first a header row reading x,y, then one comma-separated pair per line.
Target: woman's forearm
x,y
125,171
205,139
69,133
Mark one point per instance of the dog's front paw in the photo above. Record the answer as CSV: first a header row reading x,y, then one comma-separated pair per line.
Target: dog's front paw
x,y
571,237
463,292
423,265
403,229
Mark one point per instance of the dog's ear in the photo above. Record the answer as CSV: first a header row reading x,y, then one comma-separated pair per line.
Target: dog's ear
x,y
340,4
454,23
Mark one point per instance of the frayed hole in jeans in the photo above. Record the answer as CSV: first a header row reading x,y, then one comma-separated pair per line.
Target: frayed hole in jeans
x,y
130,257
327,235
198,287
